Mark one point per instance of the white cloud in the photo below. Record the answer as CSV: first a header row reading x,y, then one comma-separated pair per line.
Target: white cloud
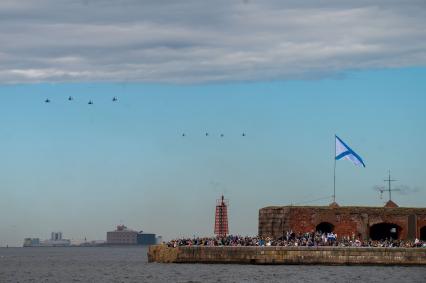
x,y
199,41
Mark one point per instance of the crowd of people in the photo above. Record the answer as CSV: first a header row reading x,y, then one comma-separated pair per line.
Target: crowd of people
x,y
290,239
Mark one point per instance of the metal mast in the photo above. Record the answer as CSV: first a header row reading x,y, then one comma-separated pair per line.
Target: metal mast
x,y
389,181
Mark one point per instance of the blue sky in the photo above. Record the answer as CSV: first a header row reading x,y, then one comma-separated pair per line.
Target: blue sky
x,y
83,168
289,74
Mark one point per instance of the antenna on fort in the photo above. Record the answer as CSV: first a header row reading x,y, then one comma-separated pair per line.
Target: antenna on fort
x,y
389,181
390,190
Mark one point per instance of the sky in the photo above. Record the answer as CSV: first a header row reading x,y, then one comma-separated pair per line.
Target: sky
x,y
288,75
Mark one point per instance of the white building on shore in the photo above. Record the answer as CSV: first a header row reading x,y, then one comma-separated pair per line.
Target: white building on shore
x,y
54,241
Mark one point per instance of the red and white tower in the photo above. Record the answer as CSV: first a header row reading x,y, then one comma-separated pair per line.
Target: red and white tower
x,y
221,219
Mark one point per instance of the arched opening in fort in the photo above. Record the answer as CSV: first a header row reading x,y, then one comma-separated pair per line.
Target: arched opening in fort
x,y
383,231
325,227
423,233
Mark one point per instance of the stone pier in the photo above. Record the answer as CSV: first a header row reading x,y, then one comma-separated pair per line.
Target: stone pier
x,y
288,255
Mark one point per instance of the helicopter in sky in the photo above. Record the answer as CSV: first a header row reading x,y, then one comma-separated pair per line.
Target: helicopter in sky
x,y
70,98
114,99
90,102
47,100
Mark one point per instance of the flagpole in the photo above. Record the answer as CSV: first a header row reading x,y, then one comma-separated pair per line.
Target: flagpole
x,y
334,184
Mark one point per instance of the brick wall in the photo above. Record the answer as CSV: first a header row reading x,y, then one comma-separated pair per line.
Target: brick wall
x,y
347,221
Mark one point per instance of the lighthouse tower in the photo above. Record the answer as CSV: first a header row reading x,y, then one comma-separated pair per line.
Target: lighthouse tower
x,y
221,219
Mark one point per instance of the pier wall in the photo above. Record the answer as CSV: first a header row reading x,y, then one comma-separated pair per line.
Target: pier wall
x,y
288,255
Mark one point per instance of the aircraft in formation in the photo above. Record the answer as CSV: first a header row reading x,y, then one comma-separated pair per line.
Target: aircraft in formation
x,y
115,99
70,98
221,135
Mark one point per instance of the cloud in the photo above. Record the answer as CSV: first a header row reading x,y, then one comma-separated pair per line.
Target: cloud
x,y
399,189
406,190
198,41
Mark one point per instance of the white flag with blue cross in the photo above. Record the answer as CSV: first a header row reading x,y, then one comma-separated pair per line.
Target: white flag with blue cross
x,y
343,151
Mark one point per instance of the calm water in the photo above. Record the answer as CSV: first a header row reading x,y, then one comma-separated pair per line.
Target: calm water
x,y
130,265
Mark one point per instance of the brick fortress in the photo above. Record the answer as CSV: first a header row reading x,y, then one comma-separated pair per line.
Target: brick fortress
x,y
364,222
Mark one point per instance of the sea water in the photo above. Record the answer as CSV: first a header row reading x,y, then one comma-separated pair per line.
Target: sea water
x,y
129,264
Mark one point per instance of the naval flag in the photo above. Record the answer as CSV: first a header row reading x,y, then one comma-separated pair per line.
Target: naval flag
x,y
343,151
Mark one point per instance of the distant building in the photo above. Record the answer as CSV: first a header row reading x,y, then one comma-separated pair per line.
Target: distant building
x,y
146,239
125,236
31,242
56,236
122,236
55,241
